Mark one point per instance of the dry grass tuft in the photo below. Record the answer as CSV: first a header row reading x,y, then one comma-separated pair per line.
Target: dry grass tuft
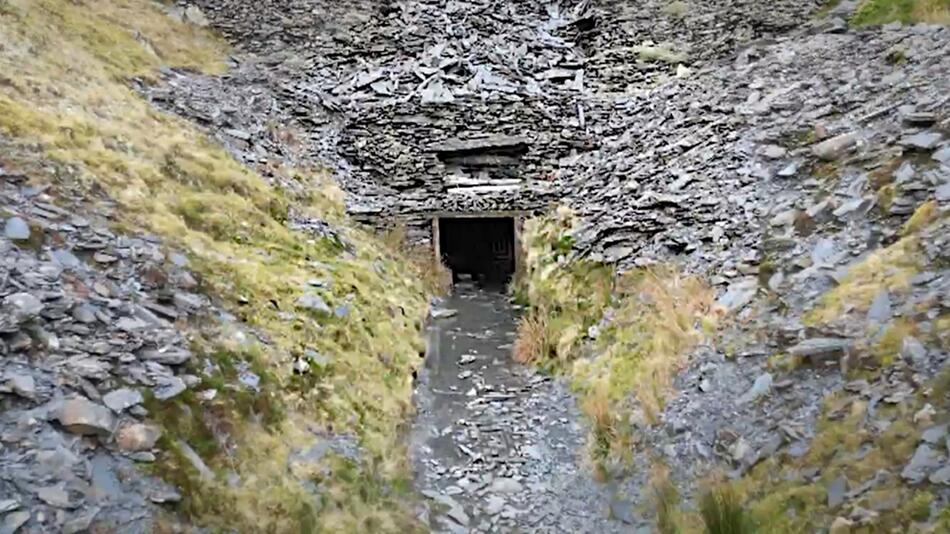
x,y
435,275
533,339
723,513
609,428
660,315
889,268
666,501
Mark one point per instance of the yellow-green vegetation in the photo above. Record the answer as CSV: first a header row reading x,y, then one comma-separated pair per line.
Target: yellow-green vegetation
x,y
778,495
567,295
889,268
723,513
925,214
906,11
658,315
654,317
63,71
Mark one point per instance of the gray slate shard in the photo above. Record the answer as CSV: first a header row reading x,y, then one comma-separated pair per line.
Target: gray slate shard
x,y
924,461
835,147
82,416
122,399
314,302
922,140
16,229
23,306
821,349
167,388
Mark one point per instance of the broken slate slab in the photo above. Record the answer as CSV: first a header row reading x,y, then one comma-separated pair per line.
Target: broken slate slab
x,y
935,434
833,148
23,306
121,399
924,461
170,387
921,140
443,313
821,349
761,387
82,416
20,384
314,302
16,229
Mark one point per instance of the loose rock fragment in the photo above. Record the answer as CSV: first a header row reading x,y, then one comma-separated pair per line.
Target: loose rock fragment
x,y
82,416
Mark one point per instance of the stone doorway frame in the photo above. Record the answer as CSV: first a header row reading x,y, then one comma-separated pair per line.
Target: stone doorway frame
x,y
517,217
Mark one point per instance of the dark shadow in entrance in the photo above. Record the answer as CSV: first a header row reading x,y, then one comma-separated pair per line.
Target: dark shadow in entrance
x,y
482,248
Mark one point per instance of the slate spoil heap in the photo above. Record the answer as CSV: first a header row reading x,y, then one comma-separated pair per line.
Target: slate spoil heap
x,y
83,314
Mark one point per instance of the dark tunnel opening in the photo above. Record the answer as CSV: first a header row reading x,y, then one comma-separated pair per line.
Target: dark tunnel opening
x,y
480,248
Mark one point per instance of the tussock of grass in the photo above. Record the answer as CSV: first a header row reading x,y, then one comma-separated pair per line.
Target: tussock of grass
x,y
533,338
925,214
609,428
666,502
906,11
434,274
723,513
63,66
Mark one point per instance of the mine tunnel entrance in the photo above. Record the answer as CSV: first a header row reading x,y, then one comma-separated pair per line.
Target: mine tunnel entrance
x,y
483,248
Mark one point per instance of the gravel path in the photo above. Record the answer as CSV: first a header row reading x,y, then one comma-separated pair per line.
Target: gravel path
x,y
496,446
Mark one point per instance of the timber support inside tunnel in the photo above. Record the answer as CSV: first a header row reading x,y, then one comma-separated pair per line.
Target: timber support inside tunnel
x,y
484,247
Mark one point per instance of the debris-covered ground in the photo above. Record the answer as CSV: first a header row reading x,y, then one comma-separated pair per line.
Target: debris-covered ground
x,y
497,446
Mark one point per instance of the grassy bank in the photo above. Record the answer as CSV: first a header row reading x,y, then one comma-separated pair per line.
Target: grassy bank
x,y
620,338
64,68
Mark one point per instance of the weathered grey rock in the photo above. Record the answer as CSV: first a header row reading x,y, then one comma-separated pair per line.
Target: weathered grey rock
x,y
196,16
441,313
922,140
167,356
137,437
169,387
913,350
935,435
314,302
505,485
23,306
82,416
924,461
835,147
121,399
13,521
82,521
821,349
20,384
85,314
940,476
761,387
880,310
16,229
837,491
55,496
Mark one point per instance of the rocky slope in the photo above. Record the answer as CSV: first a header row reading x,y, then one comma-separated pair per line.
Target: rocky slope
x,y
189,343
